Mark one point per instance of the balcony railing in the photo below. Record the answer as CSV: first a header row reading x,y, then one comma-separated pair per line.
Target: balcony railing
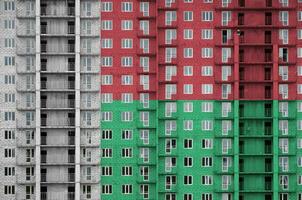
x,y
70,29
57,159
69,48
58,85
70,11
58,122
60,103
62,178
57,195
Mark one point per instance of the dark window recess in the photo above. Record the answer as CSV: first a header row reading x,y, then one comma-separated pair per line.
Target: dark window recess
x,y
268,18
268,92
268,3
268,37
241,91
268,55
241,3
240,19
267,73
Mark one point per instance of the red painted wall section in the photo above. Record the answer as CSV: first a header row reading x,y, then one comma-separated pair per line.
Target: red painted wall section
x,y
252,51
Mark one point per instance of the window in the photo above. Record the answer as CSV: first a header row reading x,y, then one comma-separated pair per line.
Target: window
x,y
106,171
126,116
299,88
127,43
106,134
188,52
207,16
188,88
9,42
9,5
9,189
106,6
299,15
9,171
9,60
283,35
127,25
127,134
284,181
126,171
188,16
9,153
226,145
127,6
188,34
107,80
283,17
206,180
206,161
188,106
207,144
106,43
208,196
299,34
206,89
144,8
206,71
9,134
206,106
106,189
106,116
9,98
170,35
188,70
106,97
225,17
207,34
107,25
188,180
9,24
106,61
188,161
126,152
127,98
170,16
207,52
188,143
127,79
299,52
188,125
9,116
206,125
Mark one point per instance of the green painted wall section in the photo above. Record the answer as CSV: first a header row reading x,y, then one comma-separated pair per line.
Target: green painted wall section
x,y
255,138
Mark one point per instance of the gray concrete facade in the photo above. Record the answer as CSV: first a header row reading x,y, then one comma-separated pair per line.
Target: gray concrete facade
x,y
49,100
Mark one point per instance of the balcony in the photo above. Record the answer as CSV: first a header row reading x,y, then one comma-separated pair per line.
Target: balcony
x,y
57,86
66,122
57,178
57,159
46,12
57,50
63,31
57,195
60,141
57,104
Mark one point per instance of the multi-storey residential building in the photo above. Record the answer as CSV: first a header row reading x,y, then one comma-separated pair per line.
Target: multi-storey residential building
x,y
49,61
201,99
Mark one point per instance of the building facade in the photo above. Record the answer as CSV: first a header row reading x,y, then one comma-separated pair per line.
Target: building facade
x,y
49,141
201,99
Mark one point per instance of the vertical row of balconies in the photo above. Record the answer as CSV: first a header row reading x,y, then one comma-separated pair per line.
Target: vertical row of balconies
x,y
167,77
146,107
